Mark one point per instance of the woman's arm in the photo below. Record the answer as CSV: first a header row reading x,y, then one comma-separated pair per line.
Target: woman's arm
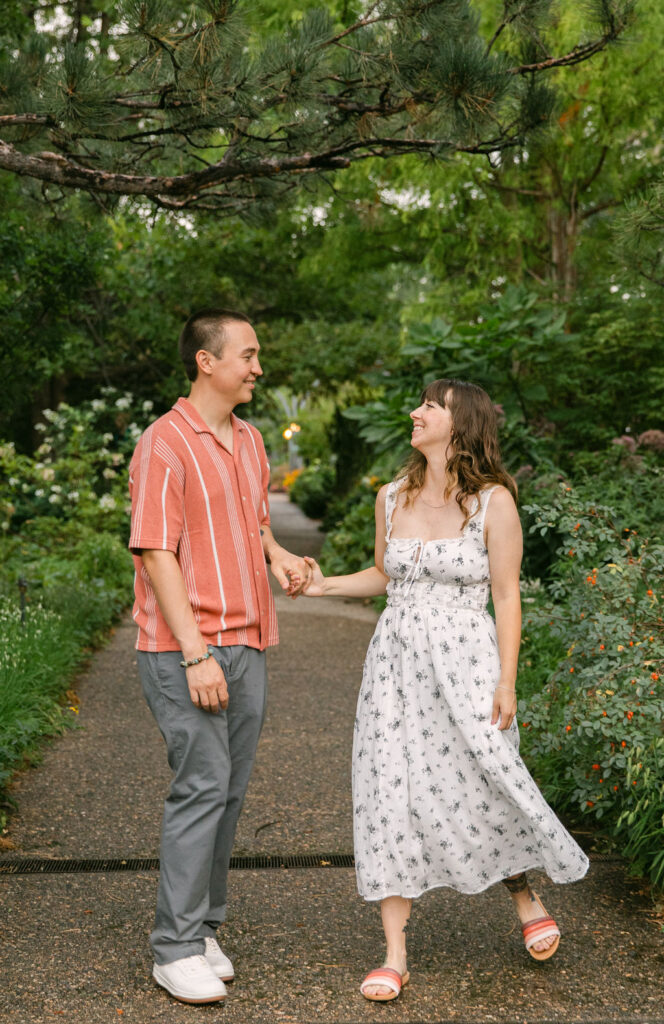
x,y
504,543
367,583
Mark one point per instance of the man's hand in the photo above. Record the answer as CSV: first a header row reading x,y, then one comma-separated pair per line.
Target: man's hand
x,y
207,685
291,571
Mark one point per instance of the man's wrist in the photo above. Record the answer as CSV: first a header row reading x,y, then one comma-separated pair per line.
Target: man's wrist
x,y
197,648
190,662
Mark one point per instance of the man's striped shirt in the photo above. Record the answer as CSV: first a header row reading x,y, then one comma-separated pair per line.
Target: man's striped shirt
x,y
191,496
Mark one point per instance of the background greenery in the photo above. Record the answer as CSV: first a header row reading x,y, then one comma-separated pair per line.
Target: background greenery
x,y
536,272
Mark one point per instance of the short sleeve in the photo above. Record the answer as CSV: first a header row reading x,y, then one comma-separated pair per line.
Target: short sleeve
x,y
264,517
156,487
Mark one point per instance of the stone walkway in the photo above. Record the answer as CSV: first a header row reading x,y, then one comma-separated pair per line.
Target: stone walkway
x,y
74,945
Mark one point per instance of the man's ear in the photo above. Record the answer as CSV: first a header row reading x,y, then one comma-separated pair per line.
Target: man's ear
x,y
204,361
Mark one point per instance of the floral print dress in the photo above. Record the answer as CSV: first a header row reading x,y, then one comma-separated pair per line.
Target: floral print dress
x,y
440,796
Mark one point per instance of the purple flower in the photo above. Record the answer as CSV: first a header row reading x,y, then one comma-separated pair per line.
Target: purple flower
x,y
653,439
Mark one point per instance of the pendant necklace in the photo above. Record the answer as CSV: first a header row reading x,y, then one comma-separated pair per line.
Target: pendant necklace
x,y
429,505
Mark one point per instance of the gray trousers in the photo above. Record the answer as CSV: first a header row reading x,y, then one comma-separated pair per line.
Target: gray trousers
x,y
211,756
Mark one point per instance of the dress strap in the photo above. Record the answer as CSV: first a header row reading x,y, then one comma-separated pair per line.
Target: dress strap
x,y
390,505
483,505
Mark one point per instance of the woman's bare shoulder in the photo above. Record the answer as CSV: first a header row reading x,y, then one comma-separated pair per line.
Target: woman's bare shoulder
x,y
501,497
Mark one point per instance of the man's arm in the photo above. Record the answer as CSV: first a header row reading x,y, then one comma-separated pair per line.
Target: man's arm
x,y
291,571
206,681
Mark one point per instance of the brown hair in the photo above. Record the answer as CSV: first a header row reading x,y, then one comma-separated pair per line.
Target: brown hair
x,y
205,330
475,460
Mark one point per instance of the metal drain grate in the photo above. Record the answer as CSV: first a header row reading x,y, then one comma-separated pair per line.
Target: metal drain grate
x,y
261,862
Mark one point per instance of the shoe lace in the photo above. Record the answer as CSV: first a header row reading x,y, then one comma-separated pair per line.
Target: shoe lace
x,y
195,963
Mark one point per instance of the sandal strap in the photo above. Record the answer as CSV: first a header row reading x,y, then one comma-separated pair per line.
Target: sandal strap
x,y
386,976
539,929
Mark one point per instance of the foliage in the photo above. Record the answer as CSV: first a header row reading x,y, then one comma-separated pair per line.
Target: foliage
x,y
312,489
190,108
640,233
78,471
63,552
603,701
76,581
349,543
539,373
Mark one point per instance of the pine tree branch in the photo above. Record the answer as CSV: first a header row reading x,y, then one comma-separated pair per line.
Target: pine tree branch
x,y
575,56
9,120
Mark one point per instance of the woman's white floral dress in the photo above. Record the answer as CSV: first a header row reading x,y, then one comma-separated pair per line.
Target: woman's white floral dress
x,y
441,797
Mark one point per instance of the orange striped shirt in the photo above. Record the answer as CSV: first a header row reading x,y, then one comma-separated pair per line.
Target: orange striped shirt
x,y
189,495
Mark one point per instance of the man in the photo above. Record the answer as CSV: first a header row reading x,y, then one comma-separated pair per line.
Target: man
x,y
200,539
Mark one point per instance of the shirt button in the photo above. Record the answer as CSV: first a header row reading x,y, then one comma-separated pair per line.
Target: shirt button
x,y
257,572
243,498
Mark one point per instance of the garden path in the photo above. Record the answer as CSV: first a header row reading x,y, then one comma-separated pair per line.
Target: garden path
x,y
75,944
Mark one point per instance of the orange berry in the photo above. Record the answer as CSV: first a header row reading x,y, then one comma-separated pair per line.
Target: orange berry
x,y
649,593
604,714
589,803
568,728
595,767
572,668
654,675
623,743
614,788
601,647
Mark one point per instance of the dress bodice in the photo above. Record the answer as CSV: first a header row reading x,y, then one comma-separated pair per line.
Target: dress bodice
x,y
452,571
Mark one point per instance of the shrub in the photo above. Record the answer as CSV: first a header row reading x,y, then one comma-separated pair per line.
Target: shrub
x,y
604,699
312,489
79,470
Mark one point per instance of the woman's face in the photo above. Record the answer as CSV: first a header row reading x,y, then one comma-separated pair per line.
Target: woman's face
x,y
432,425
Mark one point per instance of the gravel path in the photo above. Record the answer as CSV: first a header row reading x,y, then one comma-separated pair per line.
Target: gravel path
x,y
75,945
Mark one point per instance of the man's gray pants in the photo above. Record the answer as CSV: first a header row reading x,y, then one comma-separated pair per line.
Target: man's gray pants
x,y
211,756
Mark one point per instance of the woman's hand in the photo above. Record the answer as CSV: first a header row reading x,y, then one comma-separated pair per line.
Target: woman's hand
x,y
504,706
315,587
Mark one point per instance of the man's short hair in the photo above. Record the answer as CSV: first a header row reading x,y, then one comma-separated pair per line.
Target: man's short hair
x,y
205,329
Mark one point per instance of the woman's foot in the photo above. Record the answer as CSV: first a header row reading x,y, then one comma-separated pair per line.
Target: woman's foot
x,y
399,977
529,908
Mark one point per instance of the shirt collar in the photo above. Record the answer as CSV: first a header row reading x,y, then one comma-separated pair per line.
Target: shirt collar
x,y
189,413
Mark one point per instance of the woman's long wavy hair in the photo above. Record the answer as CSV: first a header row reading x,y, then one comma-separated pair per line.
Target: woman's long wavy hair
x,y
475,461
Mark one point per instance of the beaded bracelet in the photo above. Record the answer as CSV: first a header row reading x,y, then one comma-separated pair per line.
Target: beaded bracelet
x,y
196,661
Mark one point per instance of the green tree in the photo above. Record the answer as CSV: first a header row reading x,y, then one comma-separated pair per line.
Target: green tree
x,y
182,104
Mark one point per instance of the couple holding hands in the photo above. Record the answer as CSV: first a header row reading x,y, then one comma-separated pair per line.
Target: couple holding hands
x,y
440,794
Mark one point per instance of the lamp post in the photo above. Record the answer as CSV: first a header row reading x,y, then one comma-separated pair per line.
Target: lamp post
x,y
290,435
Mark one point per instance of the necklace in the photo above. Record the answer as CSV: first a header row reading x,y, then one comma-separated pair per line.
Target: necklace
x,y
429,505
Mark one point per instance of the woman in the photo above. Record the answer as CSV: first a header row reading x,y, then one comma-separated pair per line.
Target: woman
x,y
440,794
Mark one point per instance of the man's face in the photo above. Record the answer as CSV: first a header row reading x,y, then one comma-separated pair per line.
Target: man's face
x,y
233,374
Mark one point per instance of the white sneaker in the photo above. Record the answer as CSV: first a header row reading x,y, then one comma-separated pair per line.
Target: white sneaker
x,y
217,960
191,980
